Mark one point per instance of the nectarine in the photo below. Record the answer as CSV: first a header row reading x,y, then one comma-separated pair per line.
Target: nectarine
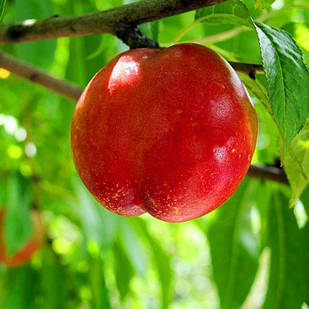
x,y
170,132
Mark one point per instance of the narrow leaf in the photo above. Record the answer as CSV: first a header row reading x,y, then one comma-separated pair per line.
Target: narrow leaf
x,y
51,285
123,270
163,264
305,200
229,12
263,201
256,89
40,53
98,224
21,282
298,172
18,226
98,286
287,256
305,232
234,248
131,243
2,9
151,30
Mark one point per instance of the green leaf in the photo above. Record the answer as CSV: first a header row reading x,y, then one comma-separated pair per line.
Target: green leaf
x,y
2,9
220,17
22,286
38,53
256,89
234,247
18,226
298,174
100,49
86,56
286,75
262,4
305,234
163,264
98,286
3,192
98,224
287,256
132,245
123,270
229,12
263,200
151,30
300,32
305,200
51,285
76,70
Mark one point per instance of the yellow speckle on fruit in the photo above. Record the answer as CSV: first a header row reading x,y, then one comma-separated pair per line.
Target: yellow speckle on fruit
x,y
153,202
176,210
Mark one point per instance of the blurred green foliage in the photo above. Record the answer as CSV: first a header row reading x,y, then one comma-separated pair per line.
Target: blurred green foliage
x,y
252,252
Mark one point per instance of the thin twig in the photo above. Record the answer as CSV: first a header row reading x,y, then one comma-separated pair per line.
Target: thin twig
x,y
134,38
38,76
248,68
100,22
272,173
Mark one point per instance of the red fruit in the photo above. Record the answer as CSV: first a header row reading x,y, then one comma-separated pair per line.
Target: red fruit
x,y
170,132
28,250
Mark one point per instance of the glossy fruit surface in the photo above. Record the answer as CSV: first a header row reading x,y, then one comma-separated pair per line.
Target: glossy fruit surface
x,y
170,132
28,250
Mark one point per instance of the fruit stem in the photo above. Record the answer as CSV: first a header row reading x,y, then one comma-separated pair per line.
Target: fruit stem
x,y
134,38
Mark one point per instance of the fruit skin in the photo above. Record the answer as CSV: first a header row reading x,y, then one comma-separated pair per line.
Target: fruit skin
x,y
170,132
29,249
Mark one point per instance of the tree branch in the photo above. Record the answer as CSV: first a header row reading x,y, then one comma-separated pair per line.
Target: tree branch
x,y
248,68
134,38
272,173
38,76
100,22
67,89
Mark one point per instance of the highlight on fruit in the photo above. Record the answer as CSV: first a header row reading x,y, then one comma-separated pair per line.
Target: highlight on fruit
x,y
166,131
